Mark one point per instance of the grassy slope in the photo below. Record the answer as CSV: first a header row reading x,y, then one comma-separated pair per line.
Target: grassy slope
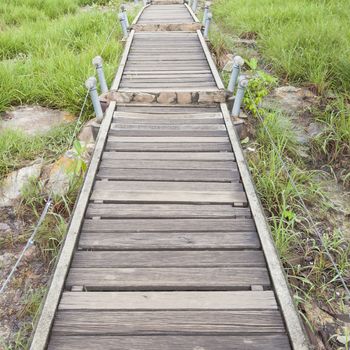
x,y
46,48
306,41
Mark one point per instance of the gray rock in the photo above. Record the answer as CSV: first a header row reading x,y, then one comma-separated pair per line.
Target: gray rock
x,y
315,129
4,227
290,100
15,182
184,98
143,97
86,134
34,120
166,98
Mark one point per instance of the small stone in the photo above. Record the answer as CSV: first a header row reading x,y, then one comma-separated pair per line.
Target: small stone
x,y
212,97
16,181
166,98
184,98
86,133
228,63
120,97
4,227
143,97
315,129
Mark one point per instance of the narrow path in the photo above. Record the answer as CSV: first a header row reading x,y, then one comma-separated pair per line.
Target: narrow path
x,y
168,247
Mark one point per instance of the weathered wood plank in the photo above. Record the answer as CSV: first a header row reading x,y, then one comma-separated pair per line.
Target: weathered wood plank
x,y
168,278
168,139
167,322
168,146
165,164
207,156
246,342
166,175
235,300
169,240
167,186
169,225
96,259
109,211
139,196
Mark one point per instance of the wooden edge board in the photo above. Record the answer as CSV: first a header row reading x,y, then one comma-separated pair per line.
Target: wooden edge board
x,y
136,19
118,77
43,326
193,15
279,280
211,63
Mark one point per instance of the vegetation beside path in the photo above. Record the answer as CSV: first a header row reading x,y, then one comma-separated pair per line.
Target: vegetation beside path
x,y
307,44
46,52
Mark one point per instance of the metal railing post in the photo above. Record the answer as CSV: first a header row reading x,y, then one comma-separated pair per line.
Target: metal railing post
x,y
91,84
242,85
238,62
206,11
97,62
123,9
123,24
194,5
207,25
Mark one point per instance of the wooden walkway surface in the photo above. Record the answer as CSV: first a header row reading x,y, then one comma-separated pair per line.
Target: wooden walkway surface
x,y
168,247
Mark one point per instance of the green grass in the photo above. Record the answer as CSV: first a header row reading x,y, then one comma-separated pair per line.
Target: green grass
x,y
305,41
45,56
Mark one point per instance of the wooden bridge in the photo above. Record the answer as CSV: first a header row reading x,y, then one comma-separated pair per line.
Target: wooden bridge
x,y
168,247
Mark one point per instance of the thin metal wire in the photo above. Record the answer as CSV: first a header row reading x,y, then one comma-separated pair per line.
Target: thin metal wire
x,y
292,182
29,243
108,39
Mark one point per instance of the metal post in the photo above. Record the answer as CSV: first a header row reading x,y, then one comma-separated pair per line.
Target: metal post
x,y
194,5
136,2
97,62
207,25
242,85
123,24
206,11
91,84
238,62
123,9
144,2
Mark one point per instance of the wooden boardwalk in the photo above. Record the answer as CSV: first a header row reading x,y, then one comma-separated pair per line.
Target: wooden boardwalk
x,y
168,247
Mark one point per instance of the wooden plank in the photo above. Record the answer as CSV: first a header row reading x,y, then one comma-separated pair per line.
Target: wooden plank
x,y
106,211
126,132
169,225
168,278
166,109
167,186
170,155
171,196
169,240
167,121
167,164
235,300
97,259
168,147
168,139
136,323
167,175
246,342
293,322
